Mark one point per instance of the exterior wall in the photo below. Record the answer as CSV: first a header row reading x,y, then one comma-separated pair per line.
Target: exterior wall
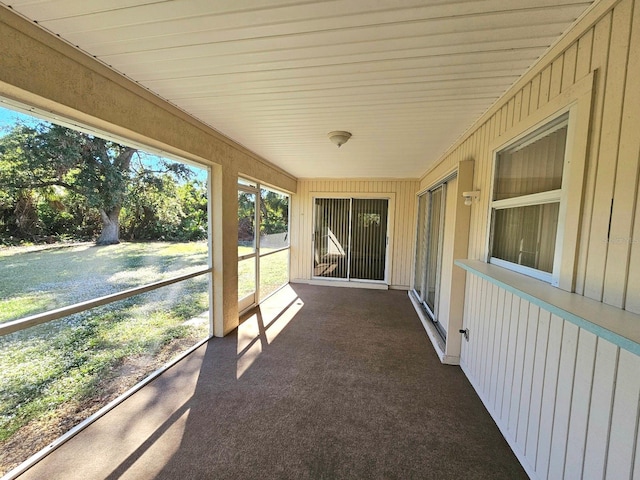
x,y
604,41
401,240
39,70
566,399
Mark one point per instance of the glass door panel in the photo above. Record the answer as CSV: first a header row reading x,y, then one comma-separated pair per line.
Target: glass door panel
x,y
368,239
421,246
430,238
434,249
350,238
331,237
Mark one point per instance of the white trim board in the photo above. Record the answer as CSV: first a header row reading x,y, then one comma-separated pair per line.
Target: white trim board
x,y
434,336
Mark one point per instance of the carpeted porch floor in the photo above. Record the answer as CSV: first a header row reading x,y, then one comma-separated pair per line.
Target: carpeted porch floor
x,y
319,383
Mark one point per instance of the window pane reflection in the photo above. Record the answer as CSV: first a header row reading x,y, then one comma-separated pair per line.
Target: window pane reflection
x,y
526,235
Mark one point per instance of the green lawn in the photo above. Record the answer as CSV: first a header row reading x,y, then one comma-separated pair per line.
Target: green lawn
x,y
54,375
41,280
274,272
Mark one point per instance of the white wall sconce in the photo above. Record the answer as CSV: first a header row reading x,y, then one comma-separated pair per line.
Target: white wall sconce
x,y
470,196
339,137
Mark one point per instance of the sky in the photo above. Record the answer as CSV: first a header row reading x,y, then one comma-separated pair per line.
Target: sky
x,y
9,117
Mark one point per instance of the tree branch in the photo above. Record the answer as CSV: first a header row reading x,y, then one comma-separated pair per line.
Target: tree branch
x,y
42,184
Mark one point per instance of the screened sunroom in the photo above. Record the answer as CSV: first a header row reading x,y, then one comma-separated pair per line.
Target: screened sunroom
x,y
353,240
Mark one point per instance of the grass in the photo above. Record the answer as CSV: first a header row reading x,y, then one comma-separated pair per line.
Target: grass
x,y
23,305
274,272
54,375
58,277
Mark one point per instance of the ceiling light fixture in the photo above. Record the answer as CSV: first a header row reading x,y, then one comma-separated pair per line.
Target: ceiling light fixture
x,y
339,137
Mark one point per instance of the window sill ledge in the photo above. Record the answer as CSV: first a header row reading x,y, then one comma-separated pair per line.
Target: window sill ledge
x,y
618,326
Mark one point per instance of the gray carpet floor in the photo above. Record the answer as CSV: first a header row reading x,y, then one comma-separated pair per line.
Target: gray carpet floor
x,y
321,383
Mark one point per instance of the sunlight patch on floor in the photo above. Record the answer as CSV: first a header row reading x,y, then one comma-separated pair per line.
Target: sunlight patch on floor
x,y
247,357
262,328
248,333
280,323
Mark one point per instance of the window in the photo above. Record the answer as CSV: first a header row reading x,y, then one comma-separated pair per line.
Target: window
x,y
525,207
274,241
552,182
106,274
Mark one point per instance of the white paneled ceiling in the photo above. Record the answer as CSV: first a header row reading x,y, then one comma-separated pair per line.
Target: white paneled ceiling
x,y
405,77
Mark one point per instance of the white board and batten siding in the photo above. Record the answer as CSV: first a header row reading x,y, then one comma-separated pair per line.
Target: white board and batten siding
x,y
401,237
565,398
566,394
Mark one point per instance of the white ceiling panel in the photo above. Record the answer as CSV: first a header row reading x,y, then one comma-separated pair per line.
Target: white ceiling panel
x,y
405,77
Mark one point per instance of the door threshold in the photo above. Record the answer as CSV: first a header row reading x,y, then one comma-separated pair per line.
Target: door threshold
x,y
347,284
439,344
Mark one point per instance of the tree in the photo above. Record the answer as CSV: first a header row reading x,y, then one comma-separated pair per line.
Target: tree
x,y
246,216
98,170
275,212
159,207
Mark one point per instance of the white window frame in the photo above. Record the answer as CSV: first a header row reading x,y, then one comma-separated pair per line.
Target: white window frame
x,y
576,101
533,199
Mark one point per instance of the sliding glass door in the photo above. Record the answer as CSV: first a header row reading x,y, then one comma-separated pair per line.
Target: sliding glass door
x,y
429,247
434,247
350,238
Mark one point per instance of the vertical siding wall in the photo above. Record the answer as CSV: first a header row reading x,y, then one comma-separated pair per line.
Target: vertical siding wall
x,y
566,400
401,239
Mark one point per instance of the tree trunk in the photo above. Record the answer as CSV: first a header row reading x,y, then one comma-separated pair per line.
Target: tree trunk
x,y
110,234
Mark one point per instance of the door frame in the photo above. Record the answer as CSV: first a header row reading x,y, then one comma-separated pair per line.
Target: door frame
x,y
449,350
433,313
252,298
391,198
256,188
